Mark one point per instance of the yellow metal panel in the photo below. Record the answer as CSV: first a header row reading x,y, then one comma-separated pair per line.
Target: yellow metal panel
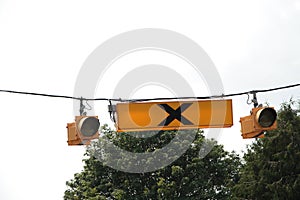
x,y
172,115
73,138
256,134
247,124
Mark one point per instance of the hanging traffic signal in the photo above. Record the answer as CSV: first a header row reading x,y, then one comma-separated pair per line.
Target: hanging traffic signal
x,y
83,130
261,119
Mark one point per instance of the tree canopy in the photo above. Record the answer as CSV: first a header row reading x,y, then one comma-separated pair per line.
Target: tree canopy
x,y
189,177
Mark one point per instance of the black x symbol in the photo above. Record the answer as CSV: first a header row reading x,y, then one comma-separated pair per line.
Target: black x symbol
x,y
175,114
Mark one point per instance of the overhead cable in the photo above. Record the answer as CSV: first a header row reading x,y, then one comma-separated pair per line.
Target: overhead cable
x,y
152,99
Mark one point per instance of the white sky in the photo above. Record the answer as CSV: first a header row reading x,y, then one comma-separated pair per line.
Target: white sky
x,y
254,45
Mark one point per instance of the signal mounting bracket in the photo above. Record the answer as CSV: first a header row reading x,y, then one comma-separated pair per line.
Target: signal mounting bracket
x,y
254,99
82,107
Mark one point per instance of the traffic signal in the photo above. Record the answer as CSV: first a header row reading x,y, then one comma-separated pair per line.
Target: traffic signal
x,y
261,119
83,130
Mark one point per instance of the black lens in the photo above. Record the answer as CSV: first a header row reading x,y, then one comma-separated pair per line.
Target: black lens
x,y
267,117
90,126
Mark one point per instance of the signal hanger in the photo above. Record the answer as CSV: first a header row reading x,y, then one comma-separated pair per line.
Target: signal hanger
x,y
254,99
83,107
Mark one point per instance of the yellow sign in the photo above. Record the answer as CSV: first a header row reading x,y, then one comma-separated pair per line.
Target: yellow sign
x,y
173,115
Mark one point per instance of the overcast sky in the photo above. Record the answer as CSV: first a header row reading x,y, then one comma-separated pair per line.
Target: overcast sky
x,y
254,45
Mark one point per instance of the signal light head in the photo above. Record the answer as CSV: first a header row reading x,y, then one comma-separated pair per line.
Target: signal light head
x,y
88,126
261,119
83,130
266,117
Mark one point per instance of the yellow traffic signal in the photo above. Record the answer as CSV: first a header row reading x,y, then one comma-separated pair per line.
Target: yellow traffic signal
x,y
261,119
83,130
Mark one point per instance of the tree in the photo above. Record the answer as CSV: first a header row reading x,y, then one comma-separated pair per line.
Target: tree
x,y
272,164
188,177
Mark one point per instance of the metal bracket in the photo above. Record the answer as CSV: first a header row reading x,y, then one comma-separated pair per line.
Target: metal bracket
x,y
254,99
112,111
82,108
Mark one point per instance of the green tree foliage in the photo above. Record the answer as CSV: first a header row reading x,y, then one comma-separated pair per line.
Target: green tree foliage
x,y
189,177
272,164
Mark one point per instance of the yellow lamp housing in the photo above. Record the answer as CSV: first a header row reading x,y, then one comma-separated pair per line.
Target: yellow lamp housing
x,y
83,130
261,119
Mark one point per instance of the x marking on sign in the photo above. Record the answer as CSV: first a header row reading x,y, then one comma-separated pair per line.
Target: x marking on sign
x,y
175,114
